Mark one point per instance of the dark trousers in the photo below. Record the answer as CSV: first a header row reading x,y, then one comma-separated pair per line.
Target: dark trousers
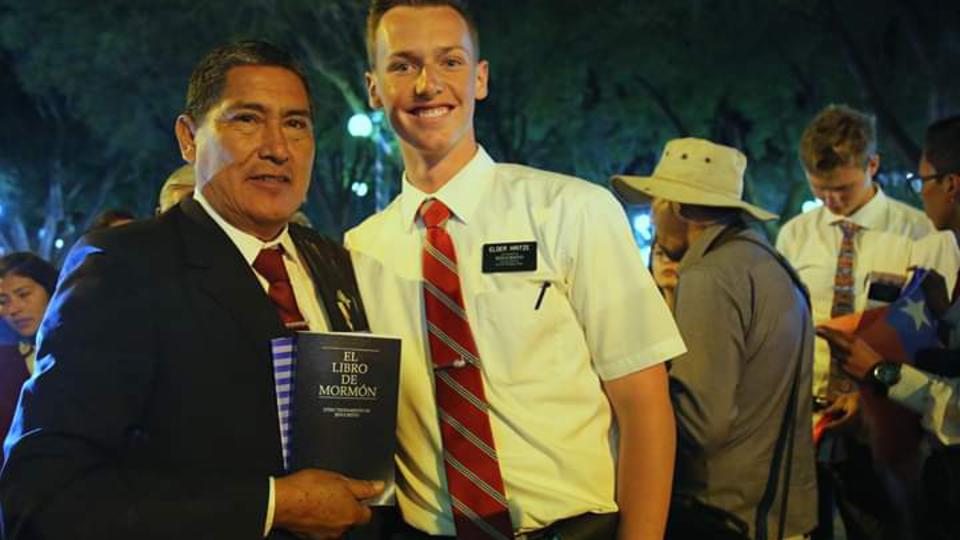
x,y
582,527
861,497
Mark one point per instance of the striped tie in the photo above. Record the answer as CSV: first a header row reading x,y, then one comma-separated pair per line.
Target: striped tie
x,y
477,496
843,302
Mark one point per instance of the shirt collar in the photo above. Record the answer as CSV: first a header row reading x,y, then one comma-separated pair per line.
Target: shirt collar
x,y
869,216
248,244
461,194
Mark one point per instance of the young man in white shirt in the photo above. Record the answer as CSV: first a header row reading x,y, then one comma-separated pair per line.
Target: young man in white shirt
x,y
834,248
562,345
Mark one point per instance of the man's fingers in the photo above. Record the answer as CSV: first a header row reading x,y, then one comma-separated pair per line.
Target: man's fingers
x,y
364,515
835,337
365,489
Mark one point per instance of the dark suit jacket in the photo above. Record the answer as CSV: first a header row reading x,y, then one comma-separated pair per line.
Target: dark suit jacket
x,y
154,415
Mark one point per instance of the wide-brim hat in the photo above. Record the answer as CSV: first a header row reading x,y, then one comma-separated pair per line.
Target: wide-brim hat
x,y
693,171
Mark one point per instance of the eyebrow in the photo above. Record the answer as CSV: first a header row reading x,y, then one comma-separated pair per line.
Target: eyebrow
x,y
21,290
441,51
254,106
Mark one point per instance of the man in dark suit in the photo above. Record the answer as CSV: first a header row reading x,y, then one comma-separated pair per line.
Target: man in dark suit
x,y
154,414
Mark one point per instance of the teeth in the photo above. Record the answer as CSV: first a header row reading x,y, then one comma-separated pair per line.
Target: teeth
x,y
435,112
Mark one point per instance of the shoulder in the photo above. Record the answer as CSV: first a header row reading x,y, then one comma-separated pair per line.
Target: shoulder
x,y
792,233
561,193
373,229
140,244
912,218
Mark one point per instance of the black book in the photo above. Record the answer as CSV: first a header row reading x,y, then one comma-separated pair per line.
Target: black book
x,y
341,404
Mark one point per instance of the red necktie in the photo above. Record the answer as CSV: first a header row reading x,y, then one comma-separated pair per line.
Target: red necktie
x,y
269,264
480,509
843,302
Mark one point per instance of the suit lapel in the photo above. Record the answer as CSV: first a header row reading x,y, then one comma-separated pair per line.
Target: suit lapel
x,y
334,281
223,274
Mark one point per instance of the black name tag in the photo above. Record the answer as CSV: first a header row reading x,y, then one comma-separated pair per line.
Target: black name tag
x,y
509,257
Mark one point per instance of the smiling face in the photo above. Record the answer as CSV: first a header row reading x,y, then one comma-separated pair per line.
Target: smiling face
x,y
427,78
23,302
254,150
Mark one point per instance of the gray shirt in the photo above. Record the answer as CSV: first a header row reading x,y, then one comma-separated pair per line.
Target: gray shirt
x,y
746,325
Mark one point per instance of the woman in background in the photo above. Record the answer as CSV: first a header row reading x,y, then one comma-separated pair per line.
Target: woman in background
x,y
664,270
26,284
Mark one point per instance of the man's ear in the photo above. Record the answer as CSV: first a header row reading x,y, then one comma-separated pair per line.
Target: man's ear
x,y
873,165
951,186
483,77
373,97
186,137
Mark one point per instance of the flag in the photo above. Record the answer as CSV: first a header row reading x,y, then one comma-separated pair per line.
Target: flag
x,y
898,330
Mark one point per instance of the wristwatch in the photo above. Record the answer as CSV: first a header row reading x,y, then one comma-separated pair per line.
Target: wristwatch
x,y
885,375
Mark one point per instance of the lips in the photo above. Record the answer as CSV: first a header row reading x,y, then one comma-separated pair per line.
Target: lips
x,y
429,113
23,323
270,178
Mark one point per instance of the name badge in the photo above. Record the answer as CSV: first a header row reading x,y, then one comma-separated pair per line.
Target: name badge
x,y
509,257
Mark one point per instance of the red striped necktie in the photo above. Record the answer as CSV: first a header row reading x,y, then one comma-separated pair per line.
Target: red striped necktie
x,y
269,264
477,496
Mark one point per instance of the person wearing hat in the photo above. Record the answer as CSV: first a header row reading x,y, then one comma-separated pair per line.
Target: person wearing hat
x,y
746,321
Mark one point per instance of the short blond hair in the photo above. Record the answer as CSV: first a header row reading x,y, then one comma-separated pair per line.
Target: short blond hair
x,y
838,136
180,184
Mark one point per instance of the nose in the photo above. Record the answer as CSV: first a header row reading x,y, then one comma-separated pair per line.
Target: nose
x,y
428,84
274,145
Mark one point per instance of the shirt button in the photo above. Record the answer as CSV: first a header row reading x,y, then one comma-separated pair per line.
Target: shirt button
x,y
459,363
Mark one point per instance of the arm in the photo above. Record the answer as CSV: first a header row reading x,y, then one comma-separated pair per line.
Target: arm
x,y
78,466
703,382
647,447
936,398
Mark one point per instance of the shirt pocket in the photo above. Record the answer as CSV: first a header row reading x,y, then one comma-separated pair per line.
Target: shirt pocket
x,y
526,328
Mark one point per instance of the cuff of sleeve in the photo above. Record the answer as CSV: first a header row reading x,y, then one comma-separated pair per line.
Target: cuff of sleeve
x,y
912,391
271,507
658,354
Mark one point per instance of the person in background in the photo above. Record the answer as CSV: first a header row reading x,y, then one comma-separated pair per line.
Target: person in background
x,y
26,285
745,319
178,186
664,271
931,387
834,248
113,217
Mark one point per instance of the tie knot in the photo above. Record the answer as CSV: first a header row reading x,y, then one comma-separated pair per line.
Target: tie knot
x,y
849,228
269,264
434,213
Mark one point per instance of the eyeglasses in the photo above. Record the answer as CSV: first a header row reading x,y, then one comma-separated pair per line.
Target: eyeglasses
x,y
916,182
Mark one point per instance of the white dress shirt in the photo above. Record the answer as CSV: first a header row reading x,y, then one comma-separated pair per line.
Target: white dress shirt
x,y
543,359
303,290
811,242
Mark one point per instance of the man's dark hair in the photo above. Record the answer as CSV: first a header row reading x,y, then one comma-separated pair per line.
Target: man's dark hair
x,y
210,75
838,136
108,217
942,145
711,214
30,265
379,8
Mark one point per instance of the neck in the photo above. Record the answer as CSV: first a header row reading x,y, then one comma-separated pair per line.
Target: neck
x,y
954,223
868,198
429,173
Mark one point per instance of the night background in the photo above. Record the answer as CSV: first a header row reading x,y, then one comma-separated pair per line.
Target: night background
x,y
90,91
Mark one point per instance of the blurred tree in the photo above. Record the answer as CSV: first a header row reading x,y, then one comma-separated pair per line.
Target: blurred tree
x,y
590,89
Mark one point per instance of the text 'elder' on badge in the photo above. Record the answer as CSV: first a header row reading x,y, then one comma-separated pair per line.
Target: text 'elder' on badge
x,y
509,257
